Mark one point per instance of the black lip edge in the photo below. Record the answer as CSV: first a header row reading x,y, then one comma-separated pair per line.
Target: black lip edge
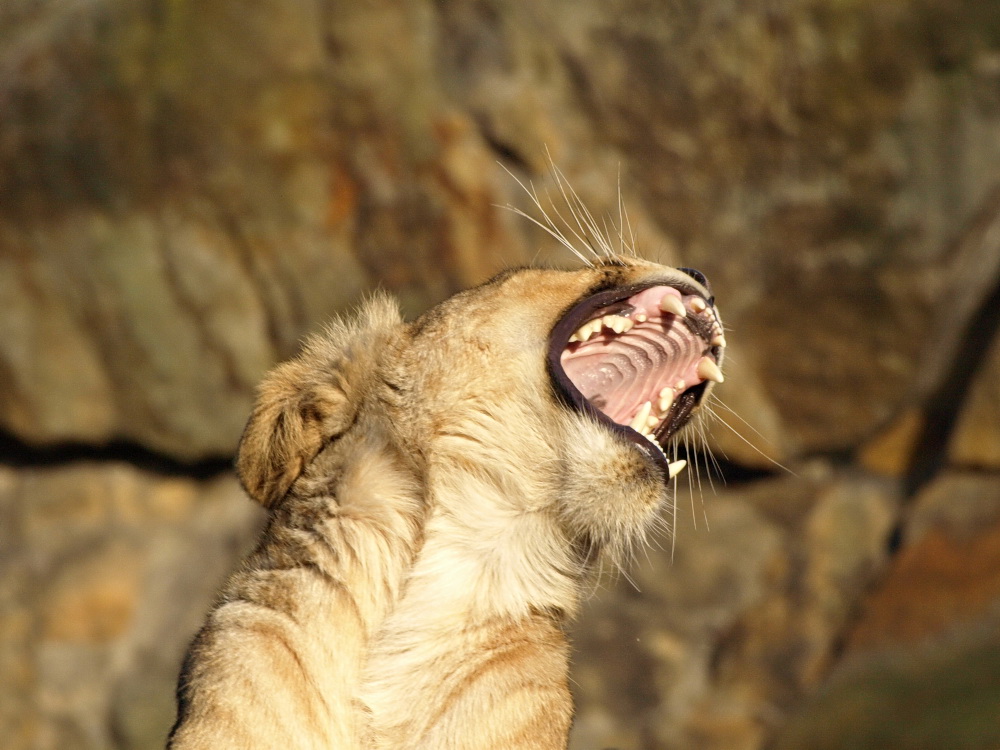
x,y
680,412
701,328
568,393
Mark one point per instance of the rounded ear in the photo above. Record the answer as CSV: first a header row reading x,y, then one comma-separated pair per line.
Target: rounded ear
x,y
312,399
291,422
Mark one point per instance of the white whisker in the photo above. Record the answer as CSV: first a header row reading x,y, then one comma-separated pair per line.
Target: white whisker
x,y
549,226
590,240
740,436
579,211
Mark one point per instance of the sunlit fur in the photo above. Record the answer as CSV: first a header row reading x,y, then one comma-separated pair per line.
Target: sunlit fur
x,y
435,514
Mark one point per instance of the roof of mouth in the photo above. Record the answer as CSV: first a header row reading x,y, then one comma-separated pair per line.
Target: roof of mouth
x,y
633,359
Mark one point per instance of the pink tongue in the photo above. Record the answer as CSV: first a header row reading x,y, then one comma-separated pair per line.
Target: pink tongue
x,y
619,373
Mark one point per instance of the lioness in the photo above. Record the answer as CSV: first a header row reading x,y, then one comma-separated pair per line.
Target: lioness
x,y
439,492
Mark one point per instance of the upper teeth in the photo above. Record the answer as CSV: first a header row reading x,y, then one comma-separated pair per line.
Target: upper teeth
x,y
673,305
708,370
617,323
670,303
588,329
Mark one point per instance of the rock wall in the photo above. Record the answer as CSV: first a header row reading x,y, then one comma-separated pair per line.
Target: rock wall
x,y
186,189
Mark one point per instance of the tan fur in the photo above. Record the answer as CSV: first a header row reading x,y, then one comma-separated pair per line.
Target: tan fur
x,y
435,510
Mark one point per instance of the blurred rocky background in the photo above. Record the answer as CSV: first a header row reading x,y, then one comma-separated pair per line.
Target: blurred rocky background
x,y
187,188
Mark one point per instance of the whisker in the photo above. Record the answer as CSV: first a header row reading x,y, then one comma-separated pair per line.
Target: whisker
x,y
578,230
621,212
579,233
589,232
631,233
624,574
706,450
716,400
549,226
552,232
705,453
691,477
673,504
710,455
740,436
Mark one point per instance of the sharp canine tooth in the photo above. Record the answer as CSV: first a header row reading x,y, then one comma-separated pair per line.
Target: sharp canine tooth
x,y
639,420
719,340
676,468
673,305
698,304
708,370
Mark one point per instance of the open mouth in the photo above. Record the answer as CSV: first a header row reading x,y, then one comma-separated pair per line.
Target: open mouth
x,y
640,359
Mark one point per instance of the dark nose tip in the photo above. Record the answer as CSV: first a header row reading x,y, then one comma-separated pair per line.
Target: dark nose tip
x,y
697,275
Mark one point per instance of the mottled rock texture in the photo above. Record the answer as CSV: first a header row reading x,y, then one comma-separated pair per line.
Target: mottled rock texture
x,y
187,189
921,660
103,567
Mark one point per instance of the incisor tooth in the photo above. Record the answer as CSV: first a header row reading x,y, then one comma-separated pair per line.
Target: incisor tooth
x,y
639,420
617,323
652,421
718,340
673,305
587,330
666,399
698,304
708,370
641,318
676,468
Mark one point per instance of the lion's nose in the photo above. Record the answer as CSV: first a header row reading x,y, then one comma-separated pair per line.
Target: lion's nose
x,y
697,275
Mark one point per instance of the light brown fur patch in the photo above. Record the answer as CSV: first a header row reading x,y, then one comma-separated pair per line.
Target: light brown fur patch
x,y
435,509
